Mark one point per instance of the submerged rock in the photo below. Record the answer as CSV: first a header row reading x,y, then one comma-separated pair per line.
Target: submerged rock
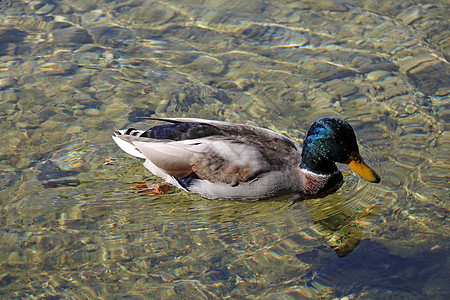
x,y
208,64
42,7
66,181
430,76
113,36
11,35
135,115
7,83
72,35
222,96
8,179
53,176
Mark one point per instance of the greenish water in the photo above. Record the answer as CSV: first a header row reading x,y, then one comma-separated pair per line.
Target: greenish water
x,y
73,71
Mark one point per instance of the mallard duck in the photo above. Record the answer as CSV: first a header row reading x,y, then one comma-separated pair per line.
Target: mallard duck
x,y
220,160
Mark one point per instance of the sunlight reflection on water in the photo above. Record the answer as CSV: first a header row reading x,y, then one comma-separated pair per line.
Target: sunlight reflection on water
x,y
73,71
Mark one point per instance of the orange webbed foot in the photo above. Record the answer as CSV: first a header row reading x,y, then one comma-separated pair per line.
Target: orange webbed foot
x,y
109,160
153,189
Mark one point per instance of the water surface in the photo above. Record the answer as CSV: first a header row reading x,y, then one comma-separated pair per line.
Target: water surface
x,y
73,71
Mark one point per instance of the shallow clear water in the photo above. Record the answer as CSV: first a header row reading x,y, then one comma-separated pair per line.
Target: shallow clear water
x,y
73,71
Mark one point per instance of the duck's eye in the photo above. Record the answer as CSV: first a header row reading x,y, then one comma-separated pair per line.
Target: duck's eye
x,y
356,157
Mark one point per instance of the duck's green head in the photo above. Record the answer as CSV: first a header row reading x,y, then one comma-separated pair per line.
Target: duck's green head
x,y
331,140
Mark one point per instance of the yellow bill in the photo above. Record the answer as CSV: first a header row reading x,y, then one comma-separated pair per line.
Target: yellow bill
x,y
356,163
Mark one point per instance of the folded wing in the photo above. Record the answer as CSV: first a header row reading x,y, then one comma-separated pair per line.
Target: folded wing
x,y
214,158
